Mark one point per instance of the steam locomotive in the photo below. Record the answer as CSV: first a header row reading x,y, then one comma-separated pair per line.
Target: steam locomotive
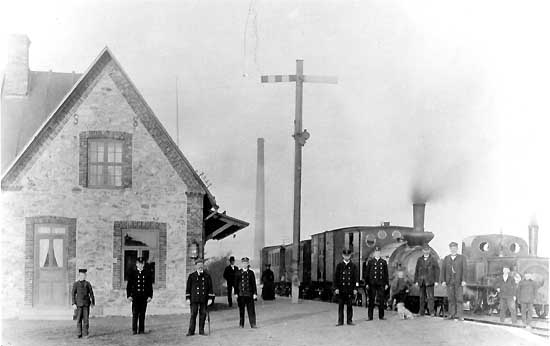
x,y
401,247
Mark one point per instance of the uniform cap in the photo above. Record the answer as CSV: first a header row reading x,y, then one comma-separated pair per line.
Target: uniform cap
x,y
197,261
245,259
346,252
268,265
82,270
451,244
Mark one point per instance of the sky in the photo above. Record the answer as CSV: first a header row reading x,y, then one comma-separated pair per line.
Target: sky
x,y
441,101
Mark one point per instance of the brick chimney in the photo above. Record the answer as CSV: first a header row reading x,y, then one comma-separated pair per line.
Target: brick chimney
x,y
16,76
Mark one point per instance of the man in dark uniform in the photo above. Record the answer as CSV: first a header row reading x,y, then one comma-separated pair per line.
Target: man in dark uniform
x,y
245,290
507,288
268,281
198,294
453,276
426,275
345,286
83,298
140,292
229,276
377,280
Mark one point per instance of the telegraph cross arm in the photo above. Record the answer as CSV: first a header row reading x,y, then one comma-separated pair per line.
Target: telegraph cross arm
x,y
292,78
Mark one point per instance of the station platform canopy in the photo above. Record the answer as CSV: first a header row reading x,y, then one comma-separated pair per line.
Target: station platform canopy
x,y
219,225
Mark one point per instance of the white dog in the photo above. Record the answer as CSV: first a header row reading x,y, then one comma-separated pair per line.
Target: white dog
x,y
403,312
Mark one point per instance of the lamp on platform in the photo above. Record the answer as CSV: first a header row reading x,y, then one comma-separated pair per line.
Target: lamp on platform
x,y
193,250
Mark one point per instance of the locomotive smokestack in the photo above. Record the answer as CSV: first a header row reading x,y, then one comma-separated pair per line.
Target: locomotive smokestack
x,y
418,216
533,238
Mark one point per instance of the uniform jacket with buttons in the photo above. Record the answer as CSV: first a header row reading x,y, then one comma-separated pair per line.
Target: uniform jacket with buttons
x,y
453,271
376,272
345,277
82,293
199,287
140,284
426,271
245,283
507,287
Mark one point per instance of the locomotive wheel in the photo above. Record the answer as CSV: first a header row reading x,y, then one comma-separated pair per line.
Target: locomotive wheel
x,y
541,310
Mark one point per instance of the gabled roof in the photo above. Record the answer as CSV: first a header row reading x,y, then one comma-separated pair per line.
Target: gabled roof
x,y
22,116
56,120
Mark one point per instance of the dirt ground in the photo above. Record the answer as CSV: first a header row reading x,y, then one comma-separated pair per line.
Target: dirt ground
x,y
279,322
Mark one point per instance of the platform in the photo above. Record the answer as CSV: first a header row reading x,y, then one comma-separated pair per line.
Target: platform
x,y
280,323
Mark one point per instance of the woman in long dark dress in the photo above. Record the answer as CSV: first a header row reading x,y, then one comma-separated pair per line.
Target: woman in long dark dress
x,y
268,281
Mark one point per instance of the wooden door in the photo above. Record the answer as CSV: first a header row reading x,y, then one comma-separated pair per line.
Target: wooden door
x,y
50,269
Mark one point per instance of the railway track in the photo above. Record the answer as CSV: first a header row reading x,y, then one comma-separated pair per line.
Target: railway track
x,y
541,331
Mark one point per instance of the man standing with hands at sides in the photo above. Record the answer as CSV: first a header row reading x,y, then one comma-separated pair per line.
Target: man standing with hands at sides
x,y
83,298
453,276
426,275
506,287
246,293
345,286
140,292
199,293
377,280
229,275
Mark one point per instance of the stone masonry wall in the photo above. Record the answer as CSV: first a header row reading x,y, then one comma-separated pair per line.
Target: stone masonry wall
x,y
51,187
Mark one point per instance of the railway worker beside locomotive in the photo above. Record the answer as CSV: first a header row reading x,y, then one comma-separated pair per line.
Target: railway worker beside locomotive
x,y
268,282
527,293
506,287
199,293
140,292
453,276
229,276
426,275
345,286
246,292
377,281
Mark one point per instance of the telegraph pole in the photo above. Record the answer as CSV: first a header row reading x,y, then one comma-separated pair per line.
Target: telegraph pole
x,y
300,138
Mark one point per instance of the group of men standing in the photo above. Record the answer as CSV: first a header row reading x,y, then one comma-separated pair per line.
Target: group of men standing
x,y
452,275
199,295
242,284
512,291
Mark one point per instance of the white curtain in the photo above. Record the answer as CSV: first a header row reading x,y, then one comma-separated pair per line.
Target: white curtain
x,y
43,252
58,251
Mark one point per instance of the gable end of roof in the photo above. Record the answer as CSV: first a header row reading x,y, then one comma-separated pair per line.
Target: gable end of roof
x,y
73,99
